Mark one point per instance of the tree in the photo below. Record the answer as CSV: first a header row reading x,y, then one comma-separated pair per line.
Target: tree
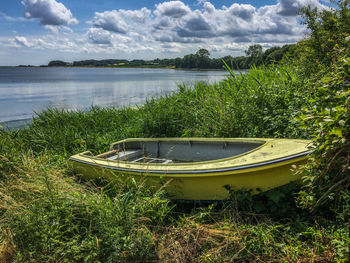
x,y
57,63
254,51
254,54
328,38
189,61
202,59
202,53
178,62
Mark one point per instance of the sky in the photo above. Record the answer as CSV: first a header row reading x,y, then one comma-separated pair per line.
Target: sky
x,y
37,31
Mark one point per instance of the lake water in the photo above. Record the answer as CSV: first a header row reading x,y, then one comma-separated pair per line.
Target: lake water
x,y
24,91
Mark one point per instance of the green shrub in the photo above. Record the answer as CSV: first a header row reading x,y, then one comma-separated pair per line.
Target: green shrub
x,y
324,57
328,39
327,175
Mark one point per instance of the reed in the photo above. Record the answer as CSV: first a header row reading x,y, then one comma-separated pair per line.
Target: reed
x,y
262,103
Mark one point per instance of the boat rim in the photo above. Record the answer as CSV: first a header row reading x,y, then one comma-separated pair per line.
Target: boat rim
x,y
155,165
261,165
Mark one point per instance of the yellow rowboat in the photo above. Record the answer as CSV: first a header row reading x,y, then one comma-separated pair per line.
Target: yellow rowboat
x,y
198,168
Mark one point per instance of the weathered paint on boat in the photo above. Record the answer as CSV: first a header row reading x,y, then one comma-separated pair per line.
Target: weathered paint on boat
x,y
264,165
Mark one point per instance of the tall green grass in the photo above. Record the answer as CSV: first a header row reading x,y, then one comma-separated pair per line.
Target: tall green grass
x,y
262,103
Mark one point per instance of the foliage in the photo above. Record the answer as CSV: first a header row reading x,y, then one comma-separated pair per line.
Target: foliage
x,y
329,37
258,104
255,57
324,54
98,63
327,177
278,203
46,216
254,54
57,63
68,132
202,53
276,54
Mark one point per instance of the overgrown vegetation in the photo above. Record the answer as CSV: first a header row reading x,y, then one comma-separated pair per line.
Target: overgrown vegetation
x,y
49,215
325,56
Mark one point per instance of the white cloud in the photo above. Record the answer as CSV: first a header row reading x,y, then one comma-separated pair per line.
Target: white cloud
x,y
236,21
208,7
134,23
195,25
291,7
48,42
234,46
10,18
50,12
52,29
174,22
99,36
244,12
21,41
174,9
111,21
136,16
57,29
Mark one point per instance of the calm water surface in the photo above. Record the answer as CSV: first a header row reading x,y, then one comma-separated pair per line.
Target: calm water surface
x,y
24,91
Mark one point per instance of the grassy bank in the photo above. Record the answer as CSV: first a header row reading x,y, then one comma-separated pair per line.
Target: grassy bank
x,y
49,214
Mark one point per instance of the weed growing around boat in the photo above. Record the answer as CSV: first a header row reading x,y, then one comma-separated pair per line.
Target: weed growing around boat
x,y
49,216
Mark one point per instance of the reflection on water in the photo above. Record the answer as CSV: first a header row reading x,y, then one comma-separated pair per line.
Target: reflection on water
x,y
27,90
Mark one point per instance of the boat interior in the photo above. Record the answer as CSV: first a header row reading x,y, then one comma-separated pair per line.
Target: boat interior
x,y
166,152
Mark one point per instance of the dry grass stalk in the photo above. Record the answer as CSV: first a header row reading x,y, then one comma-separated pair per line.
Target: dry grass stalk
x,y
190,243
7,247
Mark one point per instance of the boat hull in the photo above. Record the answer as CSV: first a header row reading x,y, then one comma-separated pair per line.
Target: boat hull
x,y
204,180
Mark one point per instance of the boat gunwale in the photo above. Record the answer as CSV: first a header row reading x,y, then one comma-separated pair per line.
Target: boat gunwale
x,y
208,172
158,165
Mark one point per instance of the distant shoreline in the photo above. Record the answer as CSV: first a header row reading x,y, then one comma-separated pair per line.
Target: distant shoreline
x,y
144,67
15,124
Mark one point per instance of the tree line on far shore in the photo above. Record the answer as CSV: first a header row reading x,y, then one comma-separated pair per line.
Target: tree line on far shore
x,y
200,60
